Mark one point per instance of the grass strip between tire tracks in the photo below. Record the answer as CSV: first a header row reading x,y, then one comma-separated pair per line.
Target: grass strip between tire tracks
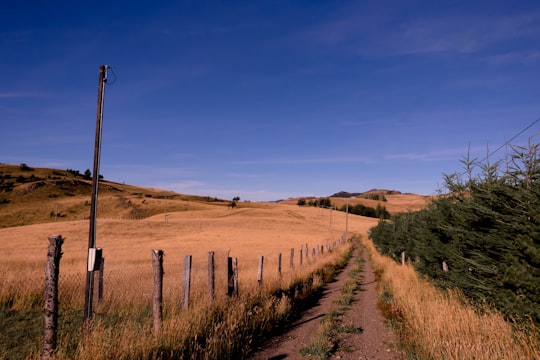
x,y
325,342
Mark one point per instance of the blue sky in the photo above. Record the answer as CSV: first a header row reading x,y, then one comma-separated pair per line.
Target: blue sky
x,y
268,99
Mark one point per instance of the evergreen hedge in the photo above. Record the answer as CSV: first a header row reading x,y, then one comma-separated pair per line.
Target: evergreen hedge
x,y
486,229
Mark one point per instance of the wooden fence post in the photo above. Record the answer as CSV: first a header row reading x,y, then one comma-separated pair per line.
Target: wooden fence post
x,y
300,256
211,277
307,251
232,276
403,258
157,305
279,265
260,271
291,263
186,282
52,272
235,277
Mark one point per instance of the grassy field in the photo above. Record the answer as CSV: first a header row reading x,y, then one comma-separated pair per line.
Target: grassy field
x,y
41,195
243,232
132,221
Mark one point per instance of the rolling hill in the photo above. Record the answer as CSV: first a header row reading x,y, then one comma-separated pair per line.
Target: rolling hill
x,y
40,195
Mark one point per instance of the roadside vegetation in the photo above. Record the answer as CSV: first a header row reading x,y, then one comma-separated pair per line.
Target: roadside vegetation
x,y
479,245
227,329
325,342
122,327
431,323
469,288
357,209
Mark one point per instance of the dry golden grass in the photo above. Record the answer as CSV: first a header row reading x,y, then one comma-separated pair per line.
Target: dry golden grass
x,y
435,324
245,233
432,323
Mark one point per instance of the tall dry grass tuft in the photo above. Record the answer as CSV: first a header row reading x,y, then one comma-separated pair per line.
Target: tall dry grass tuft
x,y
436,324
227,329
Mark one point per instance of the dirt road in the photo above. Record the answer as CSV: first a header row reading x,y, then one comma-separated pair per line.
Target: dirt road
x,y
374,340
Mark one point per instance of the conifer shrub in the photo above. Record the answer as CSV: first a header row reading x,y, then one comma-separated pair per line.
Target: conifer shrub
x,y
486,231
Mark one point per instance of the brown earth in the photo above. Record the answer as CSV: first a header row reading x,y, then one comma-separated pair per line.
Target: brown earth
x,y
374,341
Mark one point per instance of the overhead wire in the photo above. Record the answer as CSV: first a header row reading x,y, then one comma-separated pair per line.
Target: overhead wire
x,y
510,140
109,68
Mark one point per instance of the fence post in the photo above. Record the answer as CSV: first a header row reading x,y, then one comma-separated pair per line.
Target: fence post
x,y
235,276
186,282
300,255
232,276
403,258
52,271
307,251
157,305
260,271
211,277
279,265
291,263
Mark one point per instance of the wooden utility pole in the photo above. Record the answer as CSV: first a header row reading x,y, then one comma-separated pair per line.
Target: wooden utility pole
x,y
94,197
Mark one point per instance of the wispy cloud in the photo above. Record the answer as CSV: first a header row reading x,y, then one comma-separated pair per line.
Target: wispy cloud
x,y
25,95
518,57
381,31
195,187
158,79
148,171
187,186
433,155
359,122
223,193
300,161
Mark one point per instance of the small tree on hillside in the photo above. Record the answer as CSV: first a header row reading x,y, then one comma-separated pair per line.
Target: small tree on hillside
x,y
235,200
325,202
25,167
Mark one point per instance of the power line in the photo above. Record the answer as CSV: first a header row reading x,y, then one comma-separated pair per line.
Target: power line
x,y
110,69
511,139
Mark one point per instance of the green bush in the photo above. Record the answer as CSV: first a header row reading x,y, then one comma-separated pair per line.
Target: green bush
x,y
362,210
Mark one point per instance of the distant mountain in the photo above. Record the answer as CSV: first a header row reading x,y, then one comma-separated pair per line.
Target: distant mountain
x,y
345,194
